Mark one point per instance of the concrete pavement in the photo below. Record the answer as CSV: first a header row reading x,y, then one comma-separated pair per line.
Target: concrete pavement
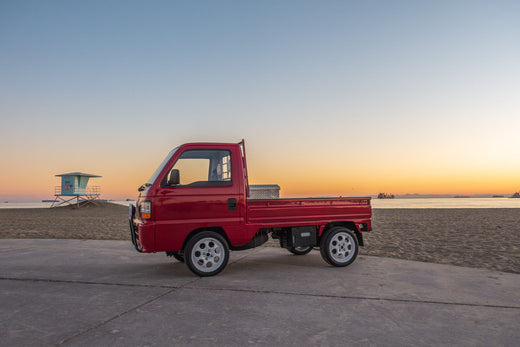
x,y
84,293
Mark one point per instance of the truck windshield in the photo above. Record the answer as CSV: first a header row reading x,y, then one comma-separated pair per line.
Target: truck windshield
x,y
159,169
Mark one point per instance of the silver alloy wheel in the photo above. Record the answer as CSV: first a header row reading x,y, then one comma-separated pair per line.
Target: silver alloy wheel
x,y
342,247
208,254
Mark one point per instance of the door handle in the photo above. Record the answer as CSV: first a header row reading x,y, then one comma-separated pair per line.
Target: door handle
x,y
232,204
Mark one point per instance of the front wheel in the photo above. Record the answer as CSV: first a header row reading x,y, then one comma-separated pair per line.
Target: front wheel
x,y
206,254
339,246
300,250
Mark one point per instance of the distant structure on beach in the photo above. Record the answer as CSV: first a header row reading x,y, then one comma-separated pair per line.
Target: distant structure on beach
x,y
385,196
74,190
515,195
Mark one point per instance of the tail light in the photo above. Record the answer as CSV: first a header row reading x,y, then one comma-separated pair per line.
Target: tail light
x,y
145,210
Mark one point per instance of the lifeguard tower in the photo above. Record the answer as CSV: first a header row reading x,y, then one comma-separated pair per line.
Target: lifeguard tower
x,y
73,190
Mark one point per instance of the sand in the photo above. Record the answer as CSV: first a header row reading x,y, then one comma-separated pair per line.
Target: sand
x,y
482,238
104,221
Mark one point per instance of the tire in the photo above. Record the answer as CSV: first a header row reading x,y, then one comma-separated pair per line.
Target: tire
x,y
206,254
300,250
339,246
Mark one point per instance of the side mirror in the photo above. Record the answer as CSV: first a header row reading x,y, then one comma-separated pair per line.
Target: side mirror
x,y
175,178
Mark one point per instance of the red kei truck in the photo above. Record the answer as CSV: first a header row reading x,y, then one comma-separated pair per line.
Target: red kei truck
x,y
196,208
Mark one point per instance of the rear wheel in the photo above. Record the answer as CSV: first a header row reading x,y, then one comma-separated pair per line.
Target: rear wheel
x,y
300,250
206,254
339,246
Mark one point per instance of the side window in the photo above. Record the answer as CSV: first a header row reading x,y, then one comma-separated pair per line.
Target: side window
x,y
202,168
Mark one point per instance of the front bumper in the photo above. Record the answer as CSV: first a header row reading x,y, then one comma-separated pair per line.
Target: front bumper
x,y
133,232
142,232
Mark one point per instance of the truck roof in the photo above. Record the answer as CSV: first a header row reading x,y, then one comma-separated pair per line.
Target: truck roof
x,y
210,144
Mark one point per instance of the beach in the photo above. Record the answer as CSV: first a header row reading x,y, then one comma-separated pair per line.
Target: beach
x,y
482,238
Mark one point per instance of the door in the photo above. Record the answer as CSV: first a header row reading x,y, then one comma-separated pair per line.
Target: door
x,y
200,190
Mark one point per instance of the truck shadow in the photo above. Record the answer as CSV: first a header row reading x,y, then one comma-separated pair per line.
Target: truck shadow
x,y
312,259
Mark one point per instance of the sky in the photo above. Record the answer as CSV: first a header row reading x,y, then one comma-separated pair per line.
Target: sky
x,y
332,97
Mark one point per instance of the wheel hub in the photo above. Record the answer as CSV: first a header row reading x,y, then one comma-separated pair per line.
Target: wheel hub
x,y
207,254
341,247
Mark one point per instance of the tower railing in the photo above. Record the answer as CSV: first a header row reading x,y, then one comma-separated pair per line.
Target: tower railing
x,y
76,196
89,191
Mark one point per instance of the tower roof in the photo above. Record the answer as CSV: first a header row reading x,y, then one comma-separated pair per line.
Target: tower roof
x,y
82,174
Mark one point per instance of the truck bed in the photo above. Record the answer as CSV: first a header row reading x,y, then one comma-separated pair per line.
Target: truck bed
x,y
306,211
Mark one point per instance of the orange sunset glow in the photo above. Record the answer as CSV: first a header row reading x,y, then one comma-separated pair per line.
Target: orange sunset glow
x,y
420,99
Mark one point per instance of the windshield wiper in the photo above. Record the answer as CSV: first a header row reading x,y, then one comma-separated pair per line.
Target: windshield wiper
x,y
143,187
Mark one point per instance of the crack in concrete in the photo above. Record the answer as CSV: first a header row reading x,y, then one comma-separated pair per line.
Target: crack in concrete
x,y
95,326
187,286
332,296
132,309
89,282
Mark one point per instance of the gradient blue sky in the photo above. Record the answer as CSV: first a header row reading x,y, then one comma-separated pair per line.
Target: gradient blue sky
x,y
332,97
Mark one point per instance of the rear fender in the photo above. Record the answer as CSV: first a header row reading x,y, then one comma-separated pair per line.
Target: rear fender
x,y
349,225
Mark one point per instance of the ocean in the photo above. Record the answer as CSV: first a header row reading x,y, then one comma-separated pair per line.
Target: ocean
x,y
447,203
376,203
39,204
